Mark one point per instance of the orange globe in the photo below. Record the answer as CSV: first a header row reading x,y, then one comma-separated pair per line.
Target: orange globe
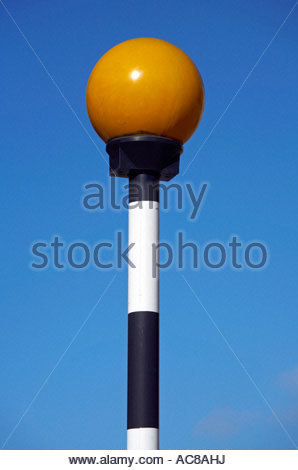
x,y
145,86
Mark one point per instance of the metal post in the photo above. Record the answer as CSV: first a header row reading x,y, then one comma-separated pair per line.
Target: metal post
x,y
143,314
145,160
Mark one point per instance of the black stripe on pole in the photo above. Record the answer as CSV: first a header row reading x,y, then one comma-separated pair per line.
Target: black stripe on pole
x,y
143,370
143,187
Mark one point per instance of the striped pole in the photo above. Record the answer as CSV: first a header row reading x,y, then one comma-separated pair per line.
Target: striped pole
x,y
143,315
145,160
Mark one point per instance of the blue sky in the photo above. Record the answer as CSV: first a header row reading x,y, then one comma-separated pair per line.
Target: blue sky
x,y
229,377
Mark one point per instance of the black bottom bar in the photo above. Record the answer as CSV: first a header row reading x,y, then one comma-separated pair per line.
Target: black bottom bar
x,y
143,370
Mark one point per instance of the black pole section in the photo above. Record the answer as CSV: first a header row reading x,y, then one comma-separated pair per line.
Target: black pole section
x,y
143,187
143,370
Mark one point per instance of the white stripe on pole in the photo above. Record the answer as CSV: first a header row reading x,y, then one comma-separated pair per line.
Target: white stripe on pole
x,y
143,439
143,287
